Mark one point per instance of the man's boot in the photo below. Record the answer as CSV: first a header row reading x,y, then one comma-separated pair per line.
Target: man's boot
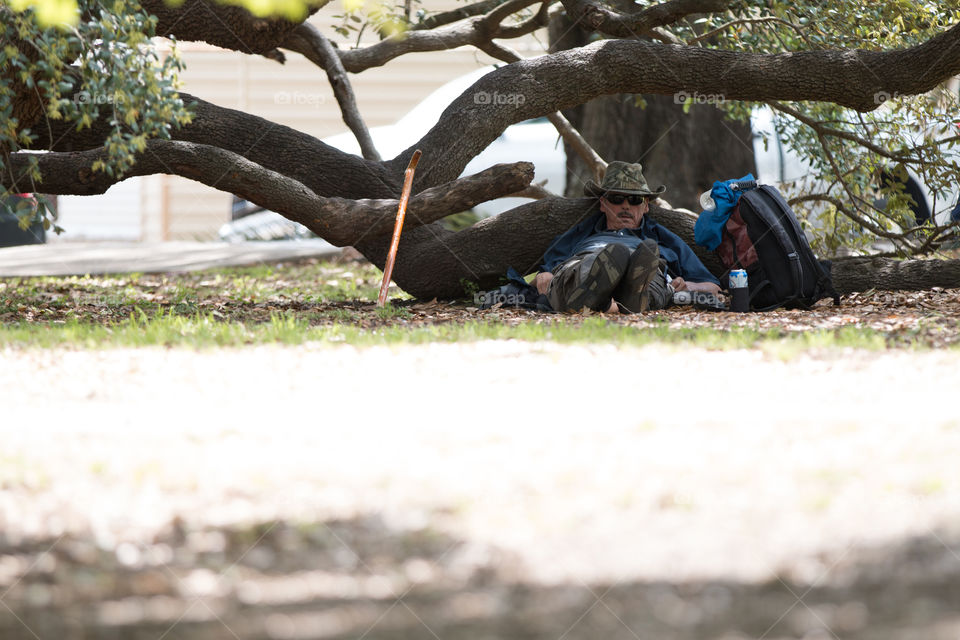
x,y
589,284
633,293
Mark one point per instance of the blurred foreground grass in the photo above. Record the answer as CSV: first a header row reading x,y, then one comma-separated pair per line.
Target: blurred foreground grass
x,y
333,302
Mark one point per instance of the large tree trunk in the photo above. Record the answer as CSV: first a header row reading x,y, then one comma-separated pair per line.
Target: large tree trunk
x,y
887,274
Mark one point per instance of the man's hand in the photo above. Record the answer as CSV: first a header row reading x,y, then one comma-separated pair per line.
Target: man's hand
x,y
706,287
678,284
542,281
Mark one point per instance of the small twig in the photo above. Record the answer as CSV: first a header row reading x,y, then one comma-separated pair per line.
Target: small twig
x,y
563,126
734,23
818,127
308,40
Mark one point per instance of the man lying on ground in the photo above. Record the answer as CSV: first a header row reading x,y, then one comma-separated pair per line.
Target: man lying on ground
x,y
617,258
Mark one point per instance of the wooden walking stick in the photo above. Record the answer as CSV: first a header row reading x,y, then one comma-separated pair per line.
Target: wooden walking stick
x,y
398,227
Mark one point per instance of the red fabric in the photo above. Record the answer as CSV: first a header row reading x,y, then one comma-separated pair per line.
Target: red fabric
x,y
735,234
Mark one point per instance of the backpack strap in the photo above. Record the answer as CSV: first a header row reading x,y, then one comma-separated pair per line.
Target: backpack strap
x,y
824,286
796,269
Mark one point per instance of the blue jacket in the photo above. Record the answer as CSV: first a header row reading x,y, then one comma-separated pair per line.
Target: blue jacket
x,y
681,260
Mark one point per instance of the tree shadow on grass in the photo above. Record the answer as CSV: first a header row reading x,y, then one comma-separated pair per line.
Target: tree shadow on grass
x,y
362,579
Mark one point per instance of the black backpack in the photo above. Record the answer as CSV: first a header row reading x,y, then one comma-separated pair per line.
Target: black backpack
x,y
763,236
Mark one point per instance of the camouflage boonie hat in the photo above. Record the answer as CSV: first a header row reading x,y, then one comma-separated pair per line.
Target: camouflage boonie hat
x,y
622,177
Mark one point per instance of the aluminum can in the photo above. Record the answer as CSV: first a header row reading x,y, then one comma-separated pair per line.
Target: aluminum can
x,y
739,294
738,279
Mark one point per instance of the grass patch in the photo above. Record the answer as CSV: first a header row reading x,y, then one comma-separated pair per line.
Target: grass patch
x,y
333,302
205,330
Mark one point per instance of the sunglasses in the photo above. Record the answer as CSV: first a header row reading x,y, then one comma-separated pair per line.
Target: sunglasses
x,y
618,198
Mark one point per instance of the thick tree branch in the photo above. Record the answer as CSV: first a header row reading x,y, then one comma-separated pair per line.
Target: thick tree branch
x,y
338,220
571,77
304,158
307,40
556,81
228,26
863,274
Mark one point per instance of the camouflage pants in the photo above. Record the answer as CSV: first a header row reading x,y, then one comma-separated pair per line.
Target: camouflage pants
x,y
571,273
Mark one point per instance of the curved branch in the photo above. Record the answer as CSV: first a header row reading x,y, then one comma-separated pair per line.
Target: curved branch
x,y
456,15
531,24
474,31
307,40
304,158
338,220
223,25
557,81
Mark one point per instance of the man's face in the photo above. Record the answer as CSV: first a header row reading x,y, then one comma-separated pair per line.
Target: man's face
x,y
623,215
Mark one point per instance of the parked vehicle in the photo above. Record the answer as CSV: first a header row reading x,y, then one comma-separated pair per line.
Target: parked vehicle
x,y
534,140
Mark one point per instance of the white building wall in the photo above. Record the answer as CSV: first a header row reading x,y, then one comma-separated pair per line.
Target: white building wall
x,y
114,215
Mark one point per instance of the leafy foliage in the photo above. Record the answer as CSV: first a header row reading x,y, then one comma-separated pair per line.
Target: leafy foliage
x,y
842,197
106,63
385,17
51,13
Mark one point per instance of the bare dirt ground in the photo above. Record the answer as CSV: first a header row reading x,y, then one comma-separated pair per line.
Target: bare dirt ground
x,y
480,490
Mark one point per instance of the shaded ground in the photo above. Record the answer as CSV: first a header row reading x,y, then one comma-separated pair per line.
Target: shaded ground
x,y
334,293
360,579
